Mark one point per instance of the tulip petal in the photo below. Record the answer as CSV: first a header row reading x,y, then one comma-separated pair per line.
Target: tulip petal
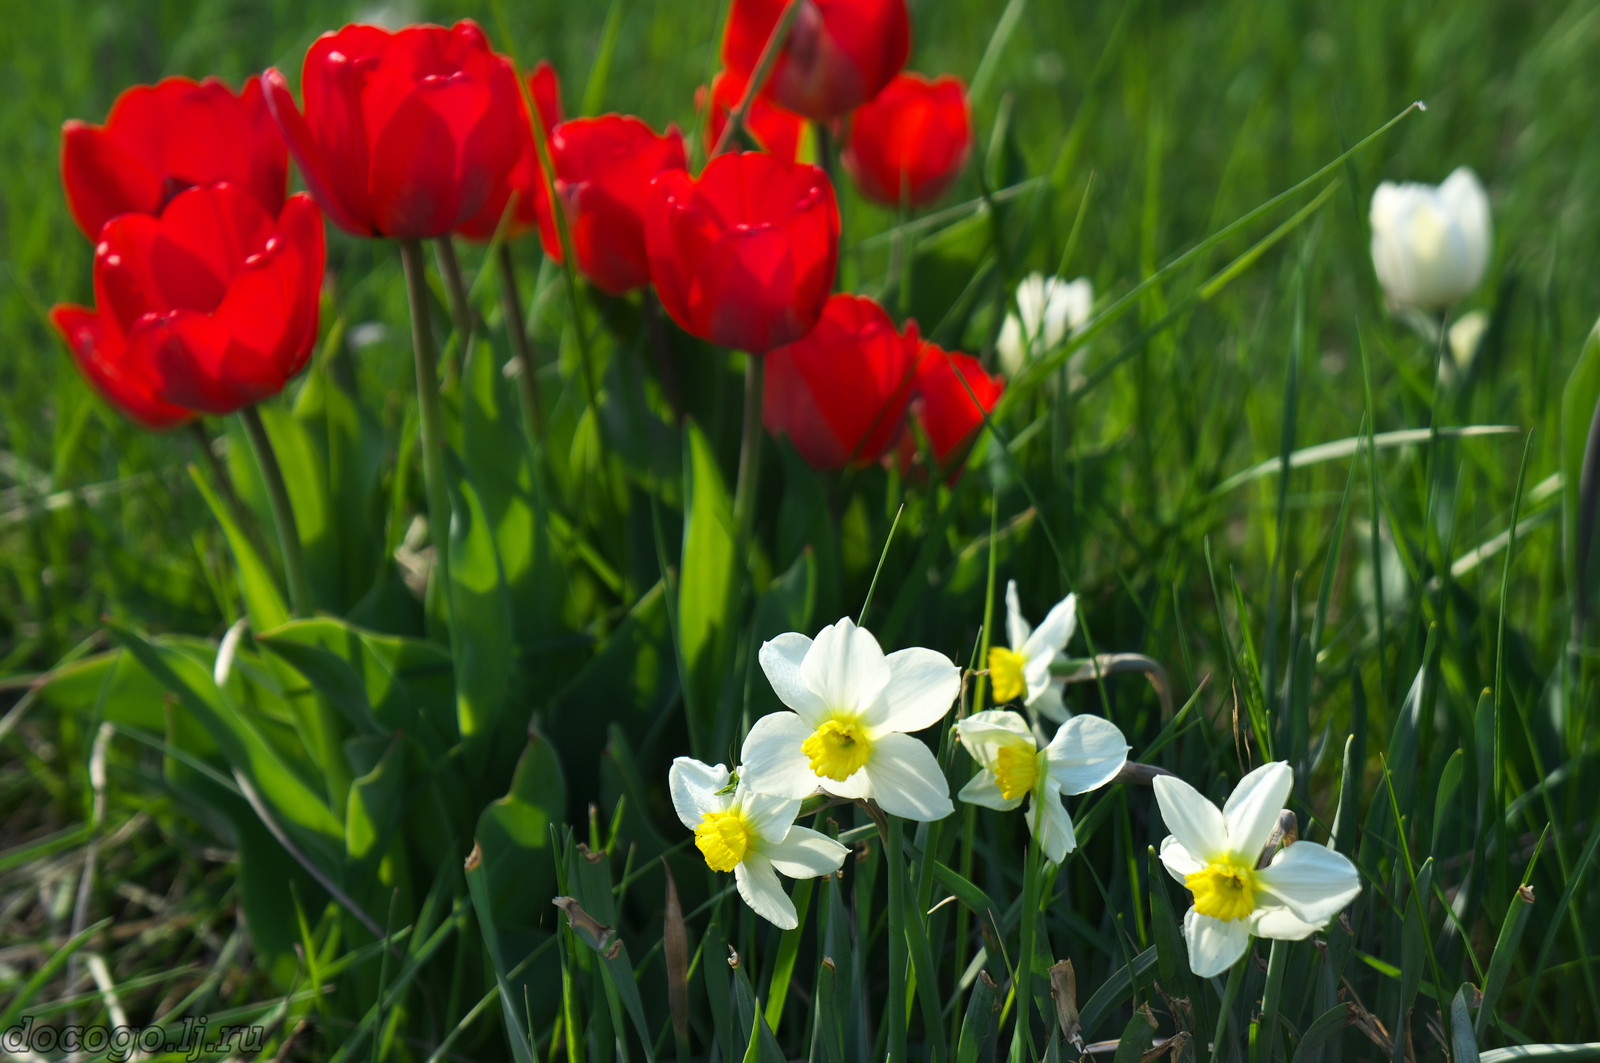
x,y
103,179
693,786
99,353
1086,753
1252,809
906,779
1194,821
759,886
416,186
1314,882
771,761
923,684
1214,945
806,853
185,354
335,188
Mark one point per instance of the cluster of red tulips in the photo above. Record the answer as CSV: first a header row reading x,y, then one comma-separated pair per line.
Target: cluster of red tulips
x,y
208,274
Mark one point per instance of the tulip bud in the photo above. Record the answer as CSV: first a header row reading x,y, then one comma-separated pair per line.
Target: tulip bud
x,y
744,255
839,54
403,134
603,171
840,392
909,143
1430,245
164,138
952,395
210,307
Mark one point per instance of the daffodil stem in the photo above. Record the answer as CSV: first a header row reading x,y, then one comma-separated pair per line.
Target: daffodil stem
x,y
893,853
431,411
1229,994
294,565
521,349
1022,983
749,482
1263,1032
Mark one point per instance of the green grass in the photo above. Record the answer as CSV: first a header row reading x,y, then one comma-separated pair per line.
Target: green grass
x,y
1347,615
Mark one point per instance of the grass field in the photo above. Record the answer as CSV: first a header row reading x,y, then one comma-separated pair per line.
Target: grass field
x,y
1341,554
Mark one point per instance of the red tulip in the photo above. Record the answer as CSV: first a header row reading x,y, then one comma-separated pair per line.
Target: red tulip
x,y
210,307
840,393
404,134
770,126
952,395
743,256
911,141
526,178
840,53
161,139
603,171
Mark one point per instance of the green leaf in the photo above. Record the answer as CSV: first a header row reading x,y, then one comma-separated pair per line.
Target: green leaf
x,y
1580,439
263,601
704,585
977,1026
481,642
514,838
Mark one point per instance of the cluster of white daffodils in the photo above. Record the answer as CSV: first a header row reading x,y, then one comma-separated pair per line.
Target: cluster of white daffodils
x,y
1048,308
847,733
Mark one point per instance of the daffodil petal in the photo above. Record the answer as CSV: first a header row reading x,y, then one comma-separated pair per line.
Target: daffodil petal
x,y
781,659
1281,924
1253,807
1049,704
1036,674
845,667
984,790
693,786
1194,821
1179,862
1017,629
984,733
906,780
771,761
759,886
1214,945
1312,881
1050,823
1051,636
769,815
923,684
806,853
1086,753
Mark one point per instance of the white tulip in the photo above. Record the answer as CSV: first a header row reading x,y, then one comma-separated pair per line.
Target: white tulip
x,y
1048,308
753,835
1214,853
846,736
1023,671
1086,753
1430,245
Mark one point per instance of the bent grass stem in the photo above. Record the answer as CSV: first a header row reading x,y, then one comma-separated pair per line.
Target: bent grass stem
x,y
294,565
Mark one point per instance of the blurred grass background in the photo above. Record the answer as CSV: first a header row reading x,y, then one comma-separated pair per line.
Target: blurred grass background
x,y
1161,121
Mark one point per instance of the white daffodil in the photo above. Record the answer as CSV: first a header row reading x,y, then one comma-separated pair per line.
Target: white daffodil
x,y
1214,854
852,707
1086,753
1430,245
751,834
1048,308
1023,670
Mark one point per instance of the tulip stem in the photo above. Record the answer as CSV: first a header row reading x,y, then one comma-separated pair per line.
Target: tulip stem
x,y
294,565
749,482
432,414
219,473
758,77
456,289
521,349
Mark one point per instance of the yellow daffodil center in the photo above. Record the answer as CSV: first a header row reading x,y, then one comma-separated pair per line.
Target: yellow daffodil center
x,y
1016,769
838,749
723,838
1225,889
1005,672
